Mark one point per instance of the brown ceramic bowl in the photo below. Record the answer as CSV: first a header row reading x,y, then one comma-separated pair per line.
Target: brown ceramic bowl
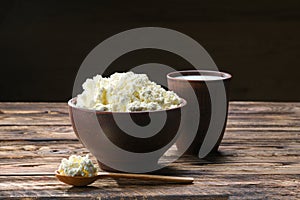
x,y
96,129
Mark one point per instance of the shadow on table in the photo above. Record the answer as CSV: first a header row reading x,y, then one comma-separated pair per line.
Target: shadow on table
x,y
178,168
215,157
120,190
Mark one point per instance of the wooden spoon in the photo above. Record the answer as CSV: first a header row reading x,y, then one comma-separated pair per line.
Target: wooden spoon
x,y
83,181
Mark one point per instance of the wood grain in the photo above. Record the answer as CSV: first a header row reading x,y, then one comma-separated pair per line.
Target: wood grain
x,y
259,157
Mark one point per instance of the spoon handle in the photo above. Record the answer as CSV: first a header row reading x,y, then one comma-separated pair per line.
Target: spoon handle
x,y
170,179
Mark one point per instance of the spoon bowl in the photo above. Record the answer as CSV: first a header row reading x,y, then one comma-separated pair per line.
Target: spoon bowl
x,y
84,181
76,180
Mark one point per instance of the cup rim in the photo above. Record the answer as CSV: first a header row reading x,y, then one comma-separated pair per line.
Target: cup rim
x,y
71,104
223,75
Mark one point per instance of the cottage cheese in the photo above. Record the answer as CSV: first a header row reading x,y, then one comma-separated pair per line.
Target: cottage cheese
x,y
125,92
77,166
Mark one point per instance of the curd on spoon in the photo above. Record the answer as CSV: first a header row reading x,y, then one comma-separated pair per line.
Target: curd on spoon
x,y
77,166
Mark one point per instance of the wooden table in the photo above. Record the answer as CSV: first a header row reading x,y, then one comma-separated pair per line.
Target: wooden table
x,y
259,157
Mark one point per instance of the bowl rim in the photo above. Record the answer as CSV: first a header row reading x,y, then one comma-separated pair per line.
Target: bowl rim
x,y
71,104
224,75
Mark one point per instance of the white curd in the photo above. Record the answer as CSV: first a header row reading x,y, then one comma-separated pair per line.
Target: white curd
x,y
77,166
125,92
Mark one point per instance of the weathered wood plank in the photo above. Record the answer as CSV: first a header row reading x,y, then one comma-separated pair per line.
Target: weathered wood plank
x,y
36,133
11,133
235,186
247,115
31,108
50,119
107,188
259,156
232,159
236,107
58,119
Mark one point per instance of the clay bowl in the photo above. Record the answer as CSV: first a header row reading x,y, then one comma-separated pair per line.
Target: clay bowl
x,y
99,132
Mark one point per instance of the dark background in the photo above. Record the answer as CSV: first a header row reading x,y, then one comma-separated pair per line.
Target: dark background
x,y
42,43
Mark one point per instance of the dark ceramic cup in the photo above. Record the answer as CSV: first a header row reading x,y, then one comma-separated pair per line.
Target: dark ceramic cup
x,y
96,129
195,83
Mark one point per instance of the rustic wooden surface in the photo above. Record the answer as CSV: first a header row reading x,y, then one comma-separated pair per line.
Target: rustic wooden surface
x,y
259,157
